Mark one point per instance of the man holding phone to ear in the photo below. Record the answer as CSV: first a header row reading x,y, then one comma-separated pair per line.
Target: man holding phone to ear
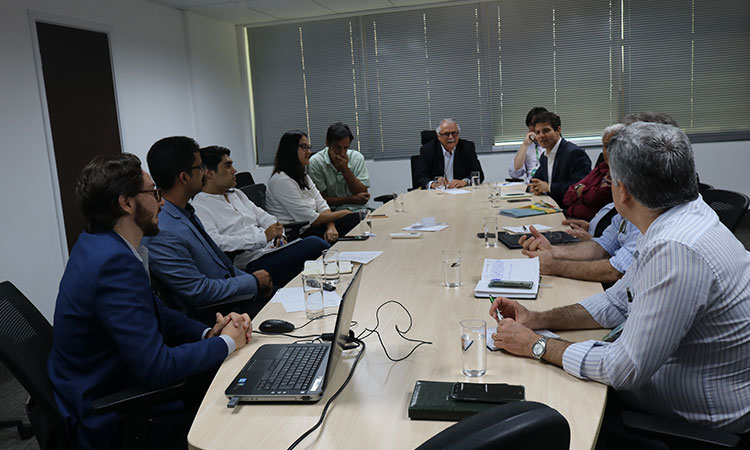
x,y
526,161
683,305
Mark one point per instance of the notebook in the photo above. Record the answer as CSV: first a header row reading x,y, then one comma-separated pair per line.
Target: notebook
x,y
521,269
269,374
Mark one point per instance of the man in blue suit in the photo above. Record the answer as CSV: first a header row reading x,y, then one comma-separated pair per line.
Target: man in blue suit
x,y
111,333
566,162
183,255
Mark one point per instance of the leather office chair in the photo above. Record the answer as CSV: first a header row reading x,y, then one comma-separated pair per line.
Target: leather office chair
x,y
244,179
678,434
703,187
427,136
512,426
25,343
729,206
414,161
257,194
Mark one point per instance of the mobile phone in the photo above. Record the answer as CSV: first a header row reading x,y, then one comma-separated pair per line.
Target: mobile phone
x,y
491,235
359,237
516,200
510,284
488,392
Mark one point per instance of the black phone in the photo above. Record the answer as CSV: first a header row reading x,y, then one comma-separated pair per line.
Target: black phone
x,y
354,238
488,392
491,235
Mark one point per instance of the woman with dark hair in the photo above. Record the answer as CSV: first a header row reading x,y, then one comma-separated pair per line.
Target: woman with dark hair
x,y
293,197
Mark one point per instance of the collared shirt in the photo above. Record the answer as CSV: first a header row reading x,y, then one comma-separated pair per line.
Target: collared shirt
x,y
142,254
530,164
685,346
551,161
328,179
234,223
448,162
619,239
290,203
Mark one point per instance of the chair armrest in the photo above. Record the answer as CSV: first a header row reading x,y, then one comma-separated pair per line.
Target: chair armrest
x,y
137,398
678,431
227,301
384,198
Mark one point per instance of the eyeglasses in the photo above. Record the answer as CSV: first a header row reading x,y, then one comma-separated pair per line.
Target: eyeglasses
x,y
305,147
449,134
202,168
155,191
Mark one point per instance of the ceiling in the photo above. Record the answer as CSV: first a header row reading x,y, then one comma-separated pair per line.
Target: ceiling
x,y
255,12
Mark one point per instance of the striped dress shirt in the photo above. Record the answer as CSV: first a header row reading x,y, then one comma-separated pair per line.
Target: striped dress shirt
x,y
619,240
685,303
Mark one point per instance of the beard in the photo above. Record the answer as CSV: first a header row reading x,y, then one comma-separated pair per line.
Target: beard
x,y
147,223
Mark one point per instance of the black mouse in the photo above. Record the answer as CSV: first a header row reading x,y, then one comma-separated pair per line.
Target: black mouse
x,y
276,326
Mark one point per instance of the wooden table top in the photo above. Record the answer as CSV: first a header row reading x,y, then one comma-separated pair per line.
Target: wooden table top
x,y
372,411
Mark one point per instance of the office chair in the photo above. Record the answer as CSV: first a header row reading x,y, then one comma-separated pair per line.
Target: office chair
x,y
512,426
257,194
427,136
25,343
703,187
414,161
729,206
244,179
679,434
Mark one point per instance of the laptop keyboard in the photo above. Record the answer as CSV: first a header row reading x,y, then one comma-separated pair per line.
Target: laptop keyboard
x,y
294,369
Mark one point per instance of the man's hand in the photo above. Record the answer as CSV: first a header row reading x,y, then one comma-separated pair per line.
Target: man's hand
x,y
274,231
577,223
536,242
511,309
265,284
579,189
331,235
221,322
441,181
514,338
360,198
547,262
538,186
340,162
457,184
530,138
237,333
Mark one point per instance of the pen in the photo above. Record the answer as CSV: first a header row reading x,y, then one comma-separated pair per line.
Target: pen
x,y
497,311
379,215
630,296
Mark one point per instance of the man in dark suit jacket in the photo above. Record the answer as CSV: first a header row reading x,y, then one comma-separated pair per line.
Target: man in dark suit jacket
x,y
570,163
437,157
183,255
111,333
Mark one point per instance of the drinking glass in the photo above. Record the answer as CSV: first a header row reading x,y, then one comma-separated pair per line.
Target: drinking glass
x,y
331,265
365,222
312,286
438,185
490,231
398,202
452,268
473,347
475,179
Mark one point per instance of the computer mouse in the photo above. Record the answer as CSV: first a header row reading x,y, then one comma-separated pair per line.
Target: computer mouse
x,y
276,326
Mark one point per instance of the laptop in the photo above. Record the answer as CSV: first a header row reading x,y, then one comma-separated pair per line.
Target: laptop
x,y
295,372
554,238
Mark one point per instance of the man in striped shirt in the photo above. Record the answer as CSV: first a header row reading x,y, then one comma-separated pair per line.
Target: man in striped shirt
x,y
684,304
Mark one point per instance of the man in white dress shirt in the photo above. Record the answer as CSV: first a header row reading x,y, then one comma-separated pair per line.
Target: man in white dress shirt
x,y
684,304
252,236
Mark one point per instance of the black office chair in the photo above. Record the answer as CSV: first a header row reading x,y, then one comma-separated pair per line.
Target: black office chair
x,y
703,187
414,160
257,194
244,179
678,434
512,426
25,343
427,136
729,206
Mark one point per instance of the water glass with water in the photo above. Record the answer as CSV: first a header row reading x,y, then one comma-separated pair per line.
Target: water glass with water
x,y
495,191
452,268
331,265
438,185
490,231
473,347
398,202
475,179
312,286
365,222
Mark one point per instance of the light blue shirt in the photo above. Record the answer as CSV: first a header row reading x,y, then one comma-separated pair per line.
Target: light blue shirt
x,y
685,345
619,240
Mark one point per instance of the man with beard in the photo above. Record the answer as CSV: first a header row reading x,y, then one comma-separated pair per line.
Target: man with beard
x,y
183,256
447,160
111,333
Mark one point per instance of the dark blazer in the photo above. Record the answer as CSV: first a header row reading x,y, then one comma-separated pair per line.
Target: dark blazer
x,y
194,272
431,164
111,333
571,165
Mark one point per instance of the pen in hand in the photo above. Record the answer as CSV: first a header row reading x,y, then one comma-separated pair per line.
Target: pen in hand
x,y
497,311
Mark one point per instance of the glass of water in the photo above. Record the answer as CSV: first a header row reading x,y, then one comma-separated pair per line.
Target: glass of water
x,y
475,179
398,202
312,286
452,268
331,265
365,222
473,347
495,190
438,185
490,231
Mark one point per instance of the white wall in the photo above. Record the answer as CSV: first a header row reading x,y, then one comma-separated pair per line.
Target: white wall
x,y
174,74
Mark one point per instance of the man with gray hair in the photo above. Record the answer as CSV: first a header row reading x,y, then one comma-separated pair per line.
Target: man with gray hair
x,y
447,160
682,307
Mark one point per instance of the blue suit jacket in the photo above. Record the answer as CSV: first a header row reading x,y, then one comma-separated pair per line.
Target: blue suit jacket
x,y
572,164
180,256
111,333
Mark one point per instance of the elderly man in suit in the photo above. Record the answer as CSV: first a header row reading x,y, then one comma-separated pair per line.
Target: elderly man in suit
x,y
111,333
183,255
447,158
562,164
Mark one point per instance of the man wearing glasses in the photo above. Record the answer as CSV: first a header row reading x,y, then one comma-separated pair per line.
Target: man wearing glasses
x,y
183,256
447,161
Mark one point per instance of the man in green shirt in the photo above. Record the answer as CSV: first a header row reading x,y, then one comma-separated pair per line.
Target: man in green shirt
x,y
340,174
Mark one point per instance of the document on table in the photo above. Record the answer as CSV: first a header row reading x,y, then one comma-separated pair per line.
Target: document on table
x,y
457,191
525,228
359,257
293,299
491,342
268,249
420,227
510,270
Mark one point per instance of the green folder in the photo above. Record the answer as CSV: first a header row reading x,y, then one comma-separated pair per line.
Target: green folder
x,y
431,400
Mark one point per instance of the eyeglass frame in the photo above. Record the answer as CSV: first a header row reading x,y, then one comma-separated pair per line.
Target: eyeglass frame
x,y
155,191
449,133
305,147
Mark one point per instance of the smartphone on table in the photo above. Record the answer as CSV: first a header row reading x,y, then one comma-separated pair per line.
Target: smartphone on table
x,y
488,392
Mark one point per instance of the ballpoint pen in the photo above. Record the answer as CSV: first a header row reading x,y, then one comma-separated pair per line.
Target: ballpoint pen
x,y
497,311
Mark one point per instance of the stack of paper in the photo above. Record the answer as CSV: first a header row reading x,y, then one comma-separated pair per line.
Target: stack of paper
x,y
509,270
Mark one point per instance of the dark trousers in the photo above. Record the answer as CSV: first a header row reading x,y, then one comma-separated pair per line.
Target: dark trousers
x,y
343,226
287,263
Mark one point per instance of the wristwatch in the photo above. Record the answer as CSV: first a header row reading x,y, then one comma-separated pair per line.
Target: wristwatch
x,y
540,347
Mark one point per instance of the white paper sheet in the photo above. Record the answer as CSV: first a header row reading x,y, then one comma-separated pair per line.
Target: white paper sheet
x,y
525,228
359,257
293,299
420,227
457,191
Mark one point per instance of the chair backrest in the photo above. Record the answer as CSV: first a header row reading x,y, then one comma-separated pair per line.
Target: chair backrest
x,y
25,343
244,179
414,160
427,136
729,206
703,187
256,193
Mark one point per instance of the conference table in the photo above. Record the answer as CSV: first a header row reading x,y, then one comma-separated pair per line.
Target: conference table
x,y
371,413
